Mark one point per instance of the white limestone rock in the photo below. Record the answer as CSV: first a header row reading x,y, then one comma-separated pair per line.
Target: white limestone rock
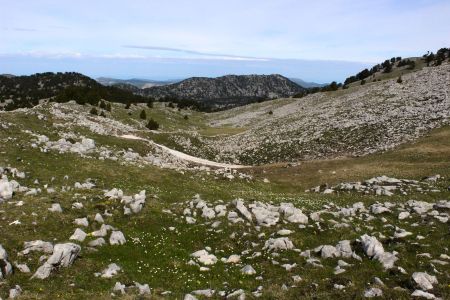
x,y
239,204
81,222
422,294
119,287
424,280
6,268
204,257
37,245
63,256
56,207
111,271
15,292
23,268
78,235
373,292
282,243
97,242
374,249
117,238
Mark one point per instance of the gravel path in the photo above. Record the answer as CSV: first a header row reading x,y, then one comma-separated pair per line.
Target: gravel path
x,y
185,156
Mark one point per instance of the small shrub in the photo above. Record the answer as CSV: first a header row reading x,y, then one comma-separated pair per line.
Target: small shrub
x,y
94,111
399,80
102,114
363,82
150,104
127,106
270,112
186,117
108,107
143,115
102,104
152,125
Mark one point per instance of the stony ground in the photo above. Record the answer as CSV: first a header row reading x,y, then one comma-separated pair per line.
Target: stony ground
x,y
85,213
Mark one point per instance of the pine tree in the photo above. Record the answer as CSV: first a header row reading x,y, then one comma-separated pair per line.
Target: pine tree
x,y
152,125
143,115
94,111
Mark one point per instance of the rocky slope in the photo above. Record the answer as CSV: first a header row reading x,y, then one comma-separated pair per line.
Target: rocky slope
x,y
228,90
358,121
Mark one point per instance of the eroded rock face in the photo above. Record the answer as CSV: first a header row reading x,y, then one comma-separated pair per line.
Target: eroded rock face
x,y
63,256
5,266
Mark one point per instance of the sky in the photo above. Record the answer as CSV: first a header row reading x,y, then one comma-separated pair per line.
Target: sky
x,y
318,41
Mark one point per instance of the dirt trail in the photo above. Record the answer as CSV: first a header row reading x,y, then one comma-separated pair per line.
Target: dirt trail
x,y
185,156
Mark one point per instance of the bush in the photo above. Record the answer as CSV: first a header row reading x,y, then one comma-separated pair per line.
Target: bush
x,y
152,125
270,112
186,117
108,107
127,106
143,115
102,114
94,111
363,82
102,104
150,104
399,80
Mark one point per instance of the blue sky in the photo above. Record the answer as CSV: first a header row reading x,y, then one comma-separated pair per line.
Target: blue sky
x,y
313,40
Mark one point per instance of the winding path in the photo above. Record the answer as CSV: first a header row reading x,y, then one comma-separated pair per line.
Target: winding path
x,y
185,156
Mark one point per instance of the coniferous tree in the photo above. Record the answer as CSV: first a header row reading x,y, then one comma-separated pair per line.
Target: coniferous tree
x,y
152,125
93,111
143,115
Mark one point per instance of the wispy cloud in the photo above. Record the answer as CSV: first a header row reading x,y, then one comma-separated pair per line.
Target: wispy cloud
x,y
20,29
197,53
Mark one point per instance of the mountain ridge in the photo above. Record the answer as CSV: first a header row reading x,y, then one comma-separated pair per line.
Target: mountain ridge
x,y
228,90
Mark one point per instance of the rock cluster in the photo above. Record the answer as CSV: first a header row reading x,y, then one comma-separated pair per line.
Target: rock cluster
x,y
380,186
